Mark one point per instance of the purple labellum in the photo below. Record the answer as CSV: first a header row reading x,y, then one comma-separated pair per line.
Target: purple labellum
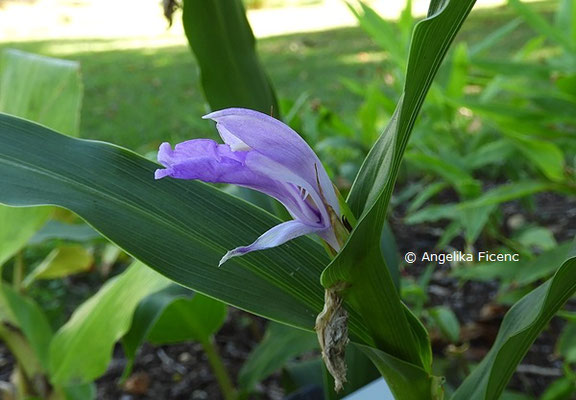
x,y
264,154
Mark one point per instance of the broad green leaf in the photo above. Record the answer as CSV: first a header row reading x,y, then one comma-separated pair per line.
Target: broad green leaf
x,y
62,261
55,230
280,344
446,321
519,329
180,228
145,317
42,89
303,374
46,90
20,348
406,381
98,324
189,319
86,391
537,237
17,226
26,315
370,291
222,40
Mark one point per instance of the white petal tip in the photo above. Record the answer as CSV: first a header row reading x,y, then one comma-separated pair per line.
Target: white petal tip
x,y
226,257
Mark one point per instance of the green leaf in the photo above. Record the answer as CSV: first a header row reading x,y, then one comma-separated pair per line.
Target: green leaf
x,y
539,24
222,40
545,155
55,230
361,371
180,228
145,317
46,90
459,72
406,381
566,344
280,344
384,33
459,178
566,19
500,194
561,389
25,314
359,267
186,319
42,89
430,42
446,321
28,221
519,329
62,261
81,350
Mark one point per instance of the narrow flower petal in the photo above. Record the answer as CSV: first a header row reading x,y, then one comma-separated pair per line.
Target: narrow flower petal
x,y
274,237
277,141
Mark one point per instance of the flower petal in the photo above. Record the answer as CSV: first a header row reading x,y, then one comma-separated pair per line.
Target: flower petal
x,y
278,142
274,237
209,161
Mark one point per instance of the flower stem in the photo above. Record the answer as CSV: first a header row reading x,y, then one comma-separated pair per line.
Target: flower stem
x,y
19,271
222,376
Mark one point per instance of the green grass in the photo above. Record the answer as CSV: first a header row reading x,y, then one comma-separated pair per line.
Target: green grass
x,y
139,98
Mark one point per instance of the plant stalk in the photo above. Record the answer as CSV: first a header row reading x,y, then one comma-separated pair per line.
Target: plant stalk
x,y
19,271
222,376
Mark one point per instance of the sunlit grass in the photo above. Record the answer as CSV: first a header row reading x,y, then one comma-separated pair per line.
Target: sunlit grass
x,y
140,92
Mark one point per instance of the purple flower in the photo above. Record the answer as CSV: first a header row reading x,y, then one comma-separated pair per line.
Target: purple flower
x,y
263,154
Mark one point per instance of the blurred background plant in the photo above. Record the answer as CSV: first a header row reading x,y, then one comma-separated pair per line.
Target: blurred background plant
x,y
490,167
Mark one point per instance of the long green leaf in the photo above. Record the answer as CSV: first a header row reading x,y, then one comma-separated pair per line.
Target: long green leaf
x,y
430,42
406,381
222,40
81,350
42,89
519,329
180,228
26,315
195,318
46,90
279,345
369,289
145,317
17,226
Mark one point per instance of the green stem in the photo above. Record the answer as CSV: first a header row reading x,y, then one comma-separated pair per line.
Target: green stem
x,y
19,268
224,381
